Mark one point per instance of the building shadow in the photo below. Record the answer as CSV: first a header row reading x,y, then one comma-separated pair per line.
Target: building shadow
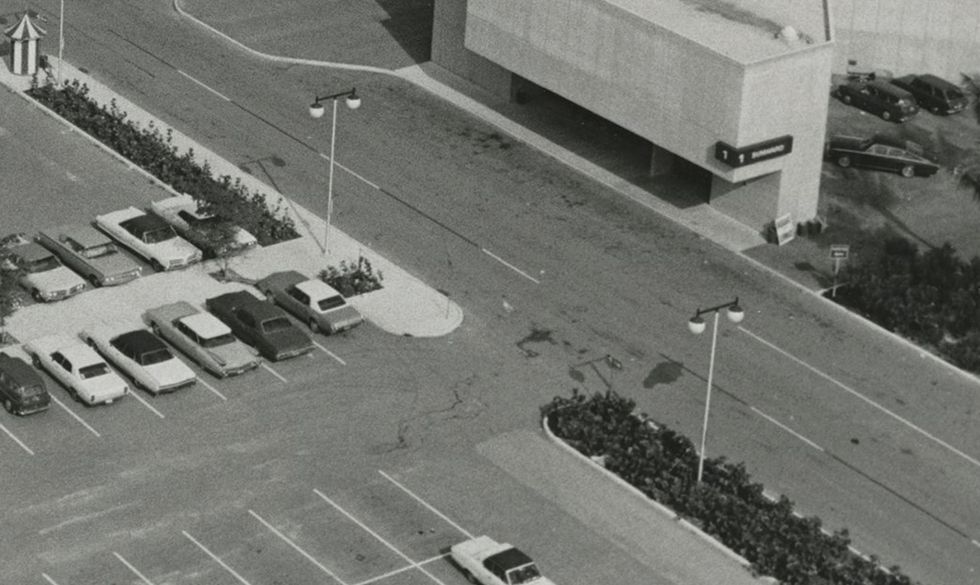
x,y
409,23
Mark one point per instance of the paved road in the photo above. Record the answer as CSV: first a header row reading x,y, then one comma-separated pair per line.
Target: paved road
x,y
895,433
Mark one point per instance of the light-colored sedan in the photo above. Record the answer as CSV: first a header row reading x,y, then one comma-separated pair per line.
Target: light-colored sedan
x,y
311,300
149,236
181,212
90,253
42,274
86,376
141,355
202,337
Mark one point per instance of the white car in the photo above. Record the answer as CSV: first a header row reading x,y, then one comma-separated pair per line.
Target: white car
x,y
181,212
43,275
311,300
149,236
142,356
485,561
202,337
83,372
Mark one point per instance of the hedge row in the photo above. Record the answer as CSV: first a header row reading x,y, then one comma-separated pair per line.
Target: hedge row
x,y
931,298
727,504
154,152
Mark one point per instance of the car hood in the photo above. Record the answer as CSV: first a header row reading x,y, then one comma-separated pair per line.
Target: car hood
x,y
288,339
169,373
232,355
113,264
58,279
173,249
342,316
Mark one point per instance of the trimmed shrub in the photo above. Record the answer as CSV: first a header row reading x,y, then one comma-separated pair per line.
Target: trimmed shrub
x,y
352,278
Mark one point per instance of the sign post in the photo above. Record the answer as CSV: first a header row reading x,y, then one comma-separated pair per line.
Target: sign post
x,y
838,253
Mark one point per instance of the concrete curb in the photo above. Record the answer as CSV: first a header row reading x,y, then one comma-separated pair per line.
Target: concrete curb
x,y
636,492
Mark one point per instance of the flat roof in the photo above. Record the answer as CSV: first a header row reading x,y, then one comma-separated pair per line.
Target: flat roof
x,y
744,30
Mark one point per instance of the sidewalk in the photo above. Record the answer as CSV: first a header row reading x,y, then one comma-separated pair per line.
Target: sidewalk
x,y
404,306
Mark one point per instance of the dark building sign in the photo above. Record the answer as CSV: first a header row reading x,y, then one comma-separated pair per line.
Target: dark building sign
x,y
758,152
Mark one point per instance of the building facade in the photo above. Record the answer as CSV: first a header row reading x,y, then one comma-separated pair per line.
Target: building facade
x,y
740,89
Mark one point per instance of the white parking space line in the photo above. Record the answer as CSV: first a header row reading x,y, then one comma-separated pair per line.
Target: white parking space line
x,y
211,388
864,398
367,529
49,579
511,266
296,547
216,559
132,568
275,373
401,570
330,353
135,394
75,416
787,429
16,440
427,505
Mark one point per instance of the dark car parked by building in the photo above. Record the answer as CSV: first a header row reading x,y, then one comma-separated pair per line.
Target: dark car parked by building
x,y
879,97
879,153
21,387
933,93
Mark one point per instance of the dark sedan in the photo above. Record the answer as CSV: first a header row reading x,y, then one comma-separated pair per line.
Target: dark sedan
x,y
905,158
934,93
260,324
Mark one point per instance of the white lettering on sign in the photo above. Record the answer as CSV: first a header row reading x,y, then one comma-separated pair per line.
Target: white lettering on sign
x,y
767,151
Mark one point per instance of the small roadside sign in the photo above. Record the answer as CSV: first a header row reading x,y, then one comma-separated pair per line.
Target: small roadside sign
x,y
839,251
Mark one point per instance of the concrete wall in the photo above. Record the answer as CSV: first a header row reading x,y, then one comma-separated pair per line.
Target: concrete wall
x,y
448,51
909,36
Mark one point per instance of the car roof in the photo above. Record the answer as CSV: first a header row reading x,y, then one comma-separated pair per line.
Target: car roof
x,y
138,341
937,81
841,140
18,369
259,309
509,558
317,289
31,251
889,87
80,354
84,234
144,223
206,325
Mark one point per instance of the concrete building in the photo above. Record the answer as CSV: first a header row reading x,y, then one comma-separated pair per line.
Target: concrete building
x,y
739,89
941,37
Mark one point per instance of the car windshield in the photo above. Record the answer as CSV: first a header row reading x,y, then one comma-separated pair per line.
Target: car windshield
x,y
99,251
157,235
218,341
155,357
93,371
31,391
276,324
42,265
331,303
524,574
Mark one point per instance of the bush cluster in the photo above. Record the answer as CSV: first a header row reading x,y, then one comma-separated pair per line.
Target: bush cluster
x,y
932,298
663,464
352,278
154,152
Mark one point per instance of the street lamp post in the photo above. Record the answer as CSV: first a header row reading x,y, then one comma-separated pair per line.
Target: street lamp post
x,y
316,111
61,40
696,325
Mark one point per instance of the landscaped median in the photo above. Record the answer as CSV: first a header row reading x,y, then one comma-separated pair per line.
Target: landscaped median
x,y
662,464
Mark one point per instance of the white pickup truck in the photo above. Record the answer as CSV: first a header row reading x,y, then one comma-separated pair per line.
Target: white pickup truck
x,y
487,562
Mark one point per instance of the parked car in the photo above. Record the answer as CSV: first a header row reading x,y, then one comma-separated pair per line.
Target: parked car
x,y
202,337
879,97
933,93
264,326
21,388
485,561
181,212
903,157
90,253
150,237
86,376
311,300
42,274
142,356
